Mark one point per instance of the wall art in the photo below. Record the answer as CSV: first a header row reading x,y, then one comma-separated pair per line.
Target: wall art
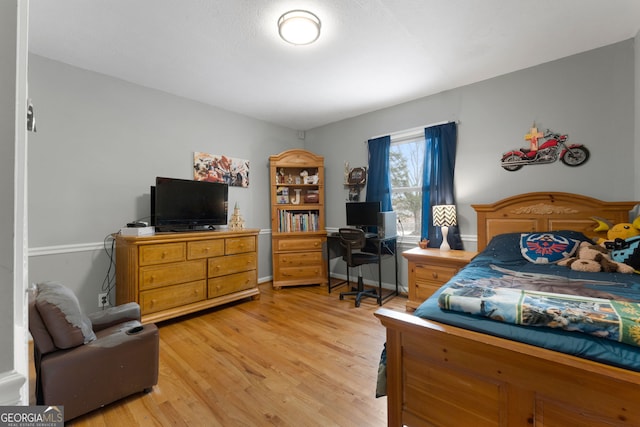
x,y
545,148
217,168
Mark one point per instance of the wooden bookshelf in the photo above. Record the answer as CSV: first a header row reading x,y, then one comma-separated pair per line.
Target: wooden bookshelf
x,y
297,218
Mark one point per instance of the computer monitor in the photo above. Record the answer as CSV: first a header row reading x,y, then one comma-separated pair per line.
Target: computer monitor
x,y
362,214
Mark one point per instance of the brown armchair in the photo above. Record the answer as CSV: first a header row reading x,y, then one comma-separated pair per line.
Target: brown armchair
x,y
86,362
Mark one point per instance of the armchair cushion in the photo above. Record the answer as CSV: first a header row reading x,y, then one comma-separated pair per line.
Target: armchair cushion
x,y
61,314
113,315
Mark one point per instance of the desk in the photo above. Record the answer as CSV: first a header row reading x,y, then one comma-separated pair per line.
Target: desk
x,y
381,247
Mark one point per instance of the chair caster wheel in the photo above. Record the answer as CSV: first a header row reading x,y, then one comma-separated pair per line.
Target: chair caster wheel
x,y
357,303
341,297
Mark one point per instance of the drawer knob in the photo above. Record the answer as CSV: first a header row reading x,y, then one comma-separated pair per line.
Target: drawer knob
x,y
435,275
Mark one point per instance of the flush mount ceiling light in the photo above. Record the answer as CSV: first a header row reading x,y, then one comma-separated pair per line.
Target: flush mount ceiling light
x,y
299,27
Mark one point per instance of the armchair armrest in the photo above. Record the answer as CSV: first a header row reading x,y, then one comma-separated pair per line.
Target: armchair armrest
x,y
114,315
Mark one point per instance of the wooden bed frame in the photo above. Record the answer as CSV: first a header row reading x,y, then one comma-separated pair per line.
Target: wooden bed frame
x,y
440,375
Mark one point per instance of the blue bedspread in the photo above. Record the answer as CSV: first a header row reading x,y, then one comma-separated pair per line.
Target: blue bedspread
x,y
502,265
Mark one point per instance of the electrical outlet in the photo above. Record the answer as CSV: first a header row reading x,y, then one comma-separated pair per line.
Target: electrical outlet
x,y
103,300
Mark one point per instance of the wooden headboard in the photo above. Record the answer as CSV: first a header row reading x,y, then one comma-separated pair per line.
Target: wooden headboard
x,y
546,211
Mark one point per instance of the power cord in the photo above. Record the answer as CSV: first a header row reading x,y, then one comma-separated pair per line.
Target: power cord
x,y
108,284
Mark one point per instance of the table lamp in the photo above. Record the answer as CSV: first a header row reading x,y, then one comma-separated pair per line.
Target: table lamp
x,y
444,216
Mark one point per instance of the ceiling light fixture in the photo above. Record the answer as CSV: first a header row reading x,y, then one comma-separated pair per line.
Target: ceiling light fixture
x,y
299,27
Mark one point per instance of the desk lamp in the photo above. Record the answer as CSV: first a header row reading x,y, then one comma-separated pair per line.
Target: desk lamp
x,y
444,216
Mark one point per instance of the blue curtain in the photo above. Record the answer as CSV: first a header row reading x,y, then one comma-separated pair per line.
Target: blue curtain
x,y
437,181
379,179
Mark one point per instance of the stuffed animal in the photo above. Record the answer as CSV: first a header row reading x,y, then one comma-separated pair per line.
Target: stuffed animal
x,y
623,230
623,241
594,258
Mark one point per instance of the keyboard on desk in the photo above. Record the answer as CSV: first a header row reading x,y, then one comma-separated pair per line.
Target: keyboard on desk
x,y
367,235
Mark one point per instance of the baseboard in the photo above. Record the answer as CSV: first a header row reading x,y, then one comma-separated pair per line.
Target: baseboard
x,y
10,384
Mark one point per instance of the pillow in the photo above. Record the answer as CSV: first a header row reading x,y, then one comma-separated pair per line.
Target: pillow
x,y
60,312
506,247
546,248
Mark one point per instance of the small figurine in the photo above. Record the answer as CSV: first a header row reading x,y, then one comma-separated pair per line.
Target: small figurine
x,y
236,223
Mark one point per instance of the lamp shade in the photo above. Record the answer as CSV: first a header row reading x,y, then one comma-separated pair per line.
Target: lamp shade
x,y
444,215
299,27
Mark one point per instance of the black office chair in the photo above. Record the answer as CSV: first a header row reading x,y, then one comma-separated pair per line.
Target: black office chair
x,y
353,240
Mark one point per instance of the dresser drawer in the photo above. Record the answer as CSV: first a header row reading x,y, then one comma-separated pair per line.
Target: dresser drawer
x,y
172,296
435,274
160,254
221,266
238,245
314,274
423,290
308,243
297,259
205,249
170,274
232,283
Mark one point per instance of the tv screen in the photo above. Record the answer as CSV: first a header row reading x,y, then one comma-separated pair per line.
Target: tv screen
x,y
186,204
363,214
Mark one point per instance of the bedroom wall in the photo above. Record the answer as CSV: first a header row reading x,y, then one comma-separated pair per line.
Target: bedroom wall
x,y
99,145
637,115
101,141
587,96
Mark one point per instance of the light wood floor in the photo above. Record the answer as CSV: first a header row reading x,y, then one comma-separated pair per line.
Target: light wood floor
x,y
295,357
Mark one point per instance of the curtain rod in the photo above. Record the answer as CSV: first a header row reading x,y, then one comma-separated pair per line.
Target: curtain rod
x,y
413,130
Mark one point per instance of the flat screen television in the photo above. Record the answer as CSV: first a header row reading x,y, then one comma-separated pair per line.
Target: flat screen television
x,y
362,214
182,204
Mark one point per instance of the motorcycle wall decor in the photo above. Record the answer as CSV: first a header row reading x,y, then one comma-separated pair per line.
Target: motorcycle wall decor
x,y
544,148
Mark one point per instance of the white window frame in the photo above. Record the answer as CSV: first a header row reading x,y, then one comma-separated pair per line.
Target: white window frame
x,y
406,137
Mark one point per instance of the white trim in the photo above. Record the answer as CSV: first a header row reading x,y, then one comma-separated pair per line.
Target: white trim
x,y
15,381
400,134
83,247
65,249
10,385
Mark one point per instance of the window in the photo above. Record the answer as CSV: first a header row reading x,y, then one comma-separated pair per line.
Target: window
x,y
406,163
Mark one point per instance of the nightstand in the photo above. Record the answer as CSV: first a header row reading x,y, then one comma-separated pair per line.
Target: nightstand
x,y
431,268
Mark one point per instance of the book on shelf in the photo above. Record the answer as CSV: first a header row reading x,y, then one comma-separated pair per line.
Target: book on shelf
x,y
289,221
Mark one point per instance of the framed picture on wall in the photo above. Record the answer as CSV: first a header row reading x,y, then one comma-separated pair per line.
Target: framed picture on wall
x,y
357,176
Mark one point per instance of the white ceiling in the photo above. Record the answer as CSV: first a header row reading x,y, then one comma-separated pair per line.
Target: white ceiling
x,y
371,54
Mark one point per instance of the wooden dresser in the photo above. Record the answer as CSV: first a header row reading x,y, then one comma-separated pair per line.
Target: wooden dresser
x,y
172,274
431,268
